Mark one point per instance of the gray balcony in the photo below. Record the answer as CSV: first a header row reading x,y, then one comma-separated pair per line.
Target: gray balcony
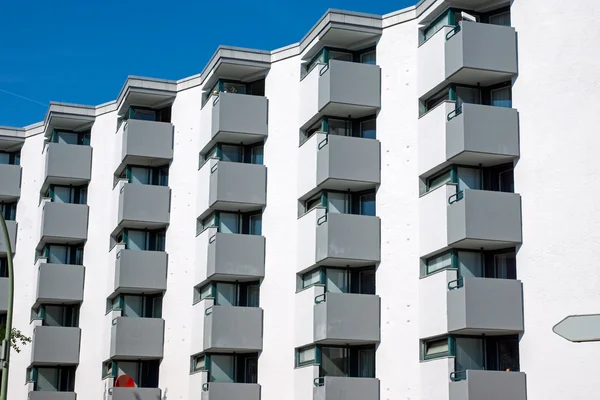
x,y
483,135
231,391
52,396
146,143
64,223
144,206
237,118
59,284
12,235
490,385
137,338
481,54
237,186
483,306
54,345
348,163
347,88
347,239
10,182
67,164
233,329
344,388
124,393
3,295
235,257
140,271
341,318
485,219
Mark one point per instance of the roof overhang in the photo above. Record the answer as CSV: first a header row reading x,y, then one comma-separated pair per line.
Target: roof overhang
x,y
11,139
238,64
342,29
71,117
146,92
473,5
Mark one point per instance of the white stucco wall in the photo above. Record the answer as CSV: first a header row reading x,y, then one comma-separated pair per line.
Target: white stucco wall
x,y
557,94
180,245
278,289
397,206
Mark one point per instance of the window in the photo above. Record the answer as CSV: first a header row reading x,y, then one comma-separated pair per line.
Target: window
x,y
9,211
157,176
63,254
313,203
438,263
438,180
494,353
367,204
435,100
143,373
251,154
12,158
233,87
369,57
231,153
450,17
340,280
257,155
142,114
350,361
306,356
497,95
255,88
339,127
311,278
256,224
502,97
149,114
68,194
198,363
59,315
463,177
234,294
368,129
137,306
358,203
201,293
68,137
500,178
502,19
319,126
238,368
500,264
238,223
3,268
143,240
52,379
437,348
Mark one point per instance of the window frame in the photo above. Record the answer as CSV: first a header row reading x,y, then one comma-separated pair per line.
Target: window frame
x,y
83,138
451,352
14,157
241,288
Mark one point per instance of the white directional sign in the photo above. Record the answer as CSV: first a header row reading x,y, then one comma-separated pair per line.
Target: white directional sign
x,y
579,328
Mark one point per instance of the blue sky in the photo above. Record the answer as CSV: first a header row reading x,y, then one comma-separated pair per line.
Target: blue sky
x,y
82,51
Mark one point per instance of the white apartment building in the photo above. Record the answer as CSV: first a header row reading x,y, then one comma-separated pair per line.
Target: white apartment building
x,y
397,207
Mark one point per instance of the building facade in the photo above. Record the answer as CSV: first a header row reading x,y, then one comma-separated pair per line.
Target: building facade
x,y
375,212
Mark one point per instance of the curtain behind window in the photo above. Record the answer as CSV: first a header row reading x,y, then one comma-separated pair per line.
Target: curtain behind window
x,y
366,363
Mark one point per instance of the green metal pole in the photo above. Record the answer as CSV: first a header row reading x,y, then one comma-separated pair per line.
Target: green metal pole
x,y
9,312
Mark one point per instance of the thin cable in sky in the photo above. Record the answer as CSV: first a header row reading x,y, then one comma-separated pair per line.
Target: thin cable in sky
x,y
23,97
